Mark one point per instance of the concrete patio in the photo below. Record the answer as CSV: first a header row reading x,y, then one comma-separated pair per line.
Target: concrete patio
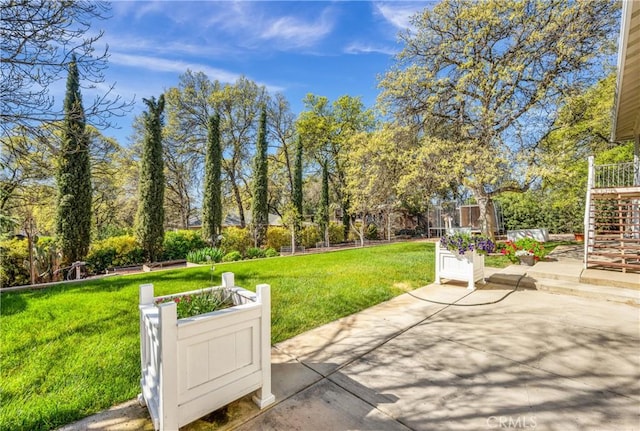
x,y
497,358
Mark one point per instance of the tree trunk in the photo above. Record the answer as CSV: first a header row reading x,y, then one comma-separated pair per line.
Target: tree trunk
x,y
238,199
487,214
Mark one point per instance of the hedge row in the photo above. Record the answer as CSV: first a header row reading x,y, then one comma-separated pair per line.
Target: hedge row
x,y
123,250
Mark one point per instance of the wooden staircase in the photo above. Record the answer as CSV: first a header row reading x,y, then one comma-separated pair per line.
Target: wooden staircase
x,y
612,217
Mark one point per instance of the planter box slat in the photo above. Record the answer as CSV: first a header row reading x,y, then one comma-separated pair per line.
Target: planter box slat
x,y
467,267
193,366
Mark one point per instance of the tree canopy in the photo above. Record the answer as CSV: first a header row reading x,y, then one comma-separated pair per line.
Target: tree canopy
x,y
492,74
39,40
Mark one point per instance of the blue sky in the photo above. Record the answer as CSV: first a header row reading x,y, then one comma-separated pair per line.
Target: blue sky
x,y
325,48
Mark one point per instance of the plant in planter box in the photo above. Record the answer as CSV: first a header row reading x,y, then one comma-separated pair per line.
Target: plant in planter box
x,y
463,242
460,256
514,250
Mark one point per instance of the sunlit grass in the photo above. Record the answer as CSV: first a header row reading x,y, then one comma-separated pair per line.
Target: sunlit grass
x,y
72,350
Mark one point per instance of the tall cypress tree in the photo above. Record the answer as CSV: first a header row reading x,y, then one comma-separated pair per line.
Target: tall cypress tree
x,y
260,209
149,227
73,221
297,178
212,201
324,204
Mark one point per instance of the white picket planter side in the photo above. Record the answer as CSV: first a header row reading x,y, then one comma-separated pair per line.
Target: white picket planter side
x,y
467,267
193,366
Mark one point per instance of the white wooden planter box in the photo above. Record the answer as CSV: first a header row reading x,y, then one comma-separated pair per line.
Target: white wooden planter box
x,y
467,267
193,366
540,235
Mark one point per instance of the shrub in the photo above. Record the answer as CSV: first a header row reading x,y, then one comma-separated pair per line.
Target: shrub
x,y
255,253
177,244
232,257
115,251
336,233
200,256
527,246
271,252
47,259
310,236
14,270
372,232
236,239
278,237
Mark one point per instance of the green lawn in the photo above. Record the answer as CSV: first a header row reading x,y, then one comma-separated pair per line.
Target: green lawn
x,y
72,350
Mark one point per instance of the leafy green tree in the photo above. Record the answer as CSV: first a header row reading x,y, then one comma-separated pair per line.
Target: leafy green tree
x,y
280,123
260,207
212,199
487,77
582,128
323,210
325,129
297,178
149,228
377,164
189,107
73,222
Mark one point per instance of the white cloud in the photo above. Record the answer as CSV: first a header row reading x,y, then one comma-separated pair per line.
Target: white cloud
x,y
399,14
166,65
293,32
365,48
156,64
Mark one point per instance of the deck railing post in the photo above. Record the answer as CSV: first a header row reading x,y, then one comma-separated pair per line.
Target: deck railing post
x,y
588,237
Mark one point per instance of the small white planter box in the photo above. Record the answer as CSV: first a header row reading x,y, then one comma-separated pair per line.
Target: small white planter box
x,y
193,366
467,267
540,235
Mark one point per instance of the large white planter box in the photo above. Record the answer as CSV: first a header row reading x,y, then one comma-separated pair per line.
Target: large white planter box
x,y
467,267
193,366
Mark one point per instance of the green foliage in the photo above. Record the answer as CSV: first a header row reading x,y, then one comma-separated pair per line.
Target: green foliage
x,y
523,246
323,209
461,242
149,224
46,259
204,255
255,253
236,239
113,252
371,232
533,209
199,303
14,255
73,221
260,205
336,233
178,243
278,237
326,129
475,85
297,178
271,252
212,199
232,257
309,236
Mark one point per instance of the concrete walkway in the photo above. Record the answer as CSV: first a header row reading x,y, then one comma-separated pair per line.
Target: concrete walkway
x,y
523,360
